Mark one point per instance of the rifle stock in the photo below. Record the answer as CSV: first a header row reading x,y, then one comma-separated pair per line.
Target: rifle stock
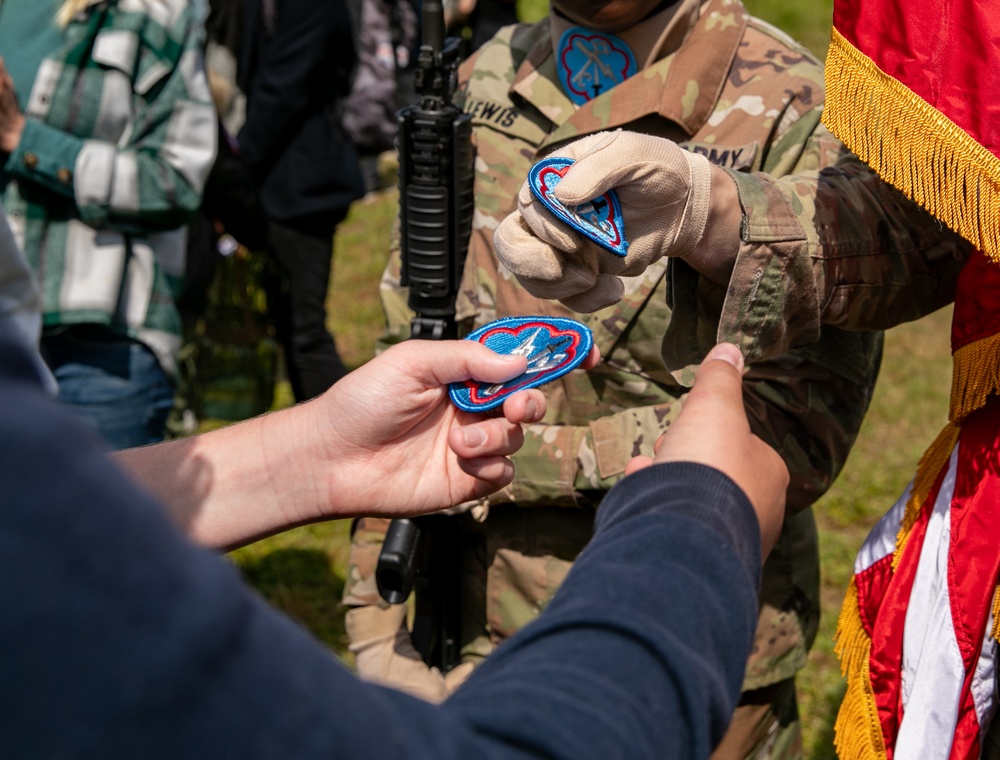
x,y
436,204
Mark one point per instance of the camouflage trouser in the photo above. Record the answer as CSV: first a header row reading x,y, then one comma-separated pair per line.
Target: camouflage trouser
x,y
765,725
513,564
367,535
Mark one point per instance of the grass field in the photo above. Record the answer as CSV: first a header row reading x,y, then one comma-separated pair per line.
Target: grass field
x,y
302,571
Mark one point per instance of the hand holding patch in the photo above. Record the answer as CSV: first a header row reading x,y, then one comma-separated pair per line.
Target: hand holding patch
x,y
599,219
663,192
552,345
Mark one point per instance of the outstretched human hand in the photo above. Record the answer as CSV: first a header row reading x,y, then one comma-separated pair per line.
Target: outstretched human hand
x,y
398,445
385,440
665,195
712,429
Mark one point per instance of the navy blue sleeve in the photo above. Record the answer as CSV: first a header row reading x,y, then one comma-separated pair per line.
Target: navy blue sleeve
x,y
120,639
642,652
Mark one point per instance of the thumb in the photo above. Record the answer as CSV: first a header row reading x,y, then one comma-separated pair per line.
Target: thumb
x,y
600,163
438,363
717,394
712,412
712,429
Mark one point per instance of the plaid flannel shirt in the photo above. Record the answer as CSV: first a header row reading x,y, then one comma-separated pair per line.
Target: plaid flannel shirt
x,y
119,138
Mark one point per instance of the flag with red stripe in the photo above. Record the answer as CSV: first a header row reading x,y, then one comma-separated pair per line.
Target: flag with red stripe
x,y
913,88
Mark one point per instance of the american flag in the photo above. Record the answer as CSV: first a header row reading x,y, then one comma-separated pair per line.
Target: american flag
x,y
913,88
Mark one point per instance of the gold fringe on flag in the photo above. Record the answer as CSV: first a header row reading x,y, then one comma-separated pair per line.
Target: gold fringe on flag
x,y
933,461
975,376
913,146
995,631
932,160
857,732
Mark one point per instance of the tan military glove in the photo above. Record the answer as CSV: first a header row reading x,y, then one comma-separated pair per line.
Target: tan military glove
x,y
664,193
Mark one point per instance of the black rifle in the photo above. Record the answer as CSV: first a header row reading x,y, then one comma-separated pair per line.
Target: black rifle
x,y
435,193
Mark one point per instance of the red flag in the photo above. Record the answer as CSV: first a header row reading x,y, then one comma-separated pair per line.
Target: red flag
x,y
913,88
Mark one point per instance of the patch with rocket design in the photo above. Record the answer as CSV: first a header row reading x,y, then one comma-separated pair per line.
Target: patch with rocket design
x,y
552,345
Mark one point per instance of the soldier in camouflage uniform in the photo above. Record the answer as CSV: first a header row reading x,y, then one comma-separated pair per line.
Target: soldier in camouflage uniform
x,y
743,95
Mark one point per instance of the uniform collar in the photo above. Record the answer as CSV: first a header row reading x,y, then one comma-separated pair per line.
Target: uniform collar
x,y
714,24
651,39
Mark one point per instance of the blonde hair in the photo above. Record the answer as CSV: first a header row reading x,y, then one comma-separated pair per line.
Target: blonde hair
x,y
68,10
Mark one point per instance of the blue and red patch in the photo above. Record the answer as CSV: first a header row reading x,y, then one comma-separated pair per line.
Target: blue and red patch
x,y
591,63
552,345
599,220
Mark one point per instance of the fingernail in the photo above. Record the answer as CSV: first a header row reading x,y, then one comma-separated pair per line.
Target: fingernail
x,y
729,353
473,437
531,409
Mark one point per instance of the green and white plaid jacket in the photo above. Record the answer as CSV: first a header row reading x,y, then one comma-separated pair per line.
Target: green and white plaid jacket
x,y
119,139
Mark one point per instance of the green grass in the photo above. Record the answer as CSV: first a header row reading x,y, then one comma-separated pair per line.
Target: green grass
x,y
808,22
303,571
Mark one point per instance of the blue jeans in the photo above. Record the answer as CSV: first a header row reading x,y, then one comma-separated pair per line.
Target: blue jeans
x,y
114,383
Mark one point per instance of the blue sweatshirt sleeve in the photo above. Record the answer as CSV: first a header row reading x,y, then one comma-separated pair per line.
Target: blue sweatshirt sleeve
x,y
121,639
642,652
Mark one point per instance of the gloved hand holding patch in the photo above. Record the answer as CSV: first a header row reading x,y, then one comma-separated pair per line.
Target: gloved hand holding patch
x,y
663,192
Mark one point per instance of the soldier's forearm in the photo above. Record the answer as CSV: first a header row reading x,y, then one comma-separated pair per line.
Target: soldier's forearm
x,y
835,248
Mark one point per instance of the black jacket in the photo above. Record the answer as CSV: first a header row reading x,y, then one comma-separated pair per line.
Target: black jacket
x,y
295,67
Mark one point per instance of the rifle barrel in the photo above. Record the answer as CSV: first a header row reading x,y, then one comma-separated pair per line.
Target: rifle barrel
x,y
433,21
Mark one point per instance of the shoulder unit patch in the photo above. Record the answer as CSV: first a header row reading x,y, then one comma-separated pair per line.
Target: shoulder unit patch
x,y
591,63
599,220
552,345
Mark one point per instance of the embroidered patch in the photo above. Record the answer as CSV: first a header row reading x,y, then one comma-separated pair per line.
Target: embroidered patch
x,y
552,345
600,219
591,63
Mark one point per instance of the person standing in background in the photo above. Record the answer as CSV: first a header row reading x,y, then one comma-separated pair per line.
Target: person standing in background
x,y
295,68
107,132
386,33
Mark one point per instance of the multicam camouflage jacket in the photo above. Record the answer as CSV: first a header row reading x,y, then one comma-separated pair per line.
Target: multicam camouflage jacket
x,y
824,242
749,99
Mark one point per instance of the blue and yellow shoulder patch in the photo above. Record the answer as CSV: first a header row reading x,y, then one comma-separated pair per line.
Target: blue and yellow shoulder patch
x,y
552,345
